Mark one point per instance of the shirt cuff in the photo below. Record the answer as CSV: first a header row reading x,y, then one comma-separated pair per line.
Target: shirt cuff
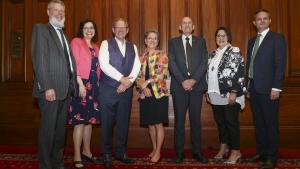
x,y
278,90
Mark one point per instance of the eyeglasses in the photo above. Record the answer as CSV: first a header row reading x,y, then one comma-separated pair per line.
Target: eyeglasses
x,y
151,38
90,28
221,36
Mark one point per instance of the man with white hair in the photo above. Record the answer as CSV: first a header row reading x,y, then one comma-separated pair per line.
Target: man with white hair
x,y
54,84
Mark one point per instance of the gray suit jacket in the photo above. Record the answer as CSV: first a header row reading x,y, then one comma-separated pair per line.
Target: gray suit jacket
x,y
49,63
177,63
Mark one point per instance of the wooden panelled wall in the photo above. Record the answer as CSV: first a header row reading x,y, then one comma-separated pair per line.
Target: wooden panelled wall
x,y
19,112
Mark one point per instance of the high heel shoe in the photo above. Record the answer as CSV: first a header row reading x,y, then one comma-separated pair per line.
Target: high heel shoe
x,y
91,159
78,162
221,157
233,162
154,162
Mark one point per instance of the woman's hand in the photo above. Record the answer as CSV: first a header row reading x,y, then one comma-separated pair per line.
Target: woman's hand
x,y
147,92
207,97
232,98
82,91
145,84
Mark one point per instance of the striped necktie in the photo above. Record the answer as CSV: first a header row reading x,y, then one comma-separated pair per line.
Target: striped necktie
x,y
66,52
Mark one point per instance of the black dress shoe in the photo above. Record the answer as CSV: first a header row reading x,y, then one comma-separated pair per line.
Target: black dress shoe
x,y
91,159
269,164
178,158
125,159
200,158
256,158
107,160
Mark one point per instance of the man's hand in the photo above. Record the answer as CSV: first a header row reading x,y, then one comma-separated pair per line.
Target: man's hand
x,y
188,84
50,95
121,88
126,81
274,95
185,85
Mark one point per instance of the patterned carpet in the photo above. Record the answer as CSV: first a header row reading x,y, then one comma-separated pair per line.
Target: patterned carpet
x,y
16,157
29,161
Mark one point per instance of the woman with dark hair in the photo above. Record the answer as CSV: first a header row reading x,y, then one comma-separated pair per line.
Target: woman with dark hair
x,y
84,109
226,93
153,93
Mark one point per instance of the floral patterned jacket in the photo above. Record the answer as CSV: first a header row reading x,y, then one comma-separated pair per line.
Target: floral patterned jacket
x,y
158,70
230,71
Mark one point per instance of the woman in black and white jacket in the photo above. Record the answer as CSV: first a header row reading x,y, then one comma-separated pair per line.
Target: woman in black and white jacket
x,y
226,93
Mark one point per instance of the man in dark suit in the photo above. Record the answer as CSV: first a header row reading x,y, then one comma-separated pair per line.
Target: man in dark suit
x,y
187,64
120,64
266,60
54,83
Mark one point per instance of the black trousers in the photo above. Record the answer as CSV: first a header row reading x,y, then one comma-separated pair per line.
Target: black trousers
x,y
52,133
265,116
183,101
227,119
115,109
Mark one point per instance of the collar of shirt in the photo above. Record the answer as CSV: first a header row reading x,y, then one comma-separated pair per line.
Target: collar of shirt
x,y
221,51
263,35
184,41
55,27
57,32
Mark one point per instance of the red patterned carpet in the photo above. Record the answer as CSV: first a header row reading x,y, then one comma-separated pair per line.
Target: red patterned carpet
x,y
16,157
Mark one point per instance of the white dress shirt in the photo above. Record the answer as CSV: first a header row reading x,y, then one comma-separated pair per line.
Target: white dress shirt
x,y
60,38
111,71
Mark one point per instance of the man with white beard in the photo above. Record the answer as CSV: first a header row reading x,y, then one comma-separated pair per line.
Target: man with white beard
x,y
54,84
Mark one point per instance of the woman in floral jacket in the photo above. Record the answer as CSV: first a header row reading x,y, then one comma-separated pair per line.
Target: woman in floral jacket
x,y
226,93
153,92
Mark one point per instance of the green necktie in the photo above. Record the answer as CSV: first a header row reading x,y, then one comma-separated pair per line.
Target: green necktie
x,y
254,51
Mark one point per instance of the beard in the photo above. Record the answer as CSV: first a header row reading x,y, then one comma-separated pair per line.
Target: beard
x,y
57,23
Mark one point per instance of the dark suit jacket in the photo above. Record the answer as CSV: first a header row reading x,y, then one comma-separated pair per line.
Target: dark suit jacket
x,y
177,63
49,63
269,62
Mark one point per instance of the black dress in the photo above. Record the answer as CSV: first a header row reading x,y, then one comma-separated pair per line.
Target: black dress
x,y
152,110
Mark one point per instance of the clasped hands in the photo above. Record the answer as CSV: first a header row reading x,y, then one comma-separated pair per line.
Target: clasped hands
x,y
145,89
125,84
188,84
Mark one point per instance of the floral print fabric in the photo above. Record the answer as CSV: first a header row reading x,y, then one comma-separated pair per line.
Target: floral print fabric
x,y
86,110
158,70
